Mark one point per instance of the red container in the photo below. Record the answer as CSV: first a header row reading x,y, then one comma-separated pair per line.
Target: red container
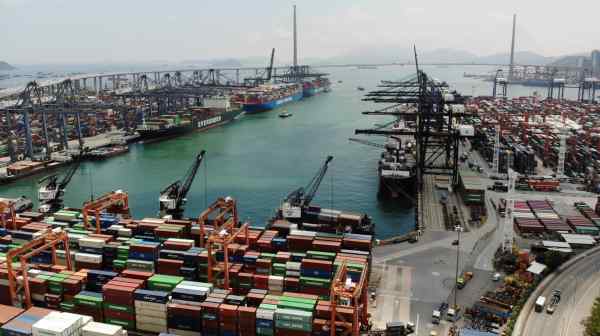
x,y
136,274
327,246
169,266
177,246
299,243
322,265
119,315
261,281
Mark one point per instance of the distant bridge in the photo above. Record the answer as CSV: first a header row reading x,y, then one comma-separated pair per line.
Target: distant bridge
x,y
231,75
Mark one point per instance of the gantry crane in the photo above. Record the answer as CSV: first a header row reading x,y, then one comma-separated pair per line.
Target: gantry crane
x,y
51,194
12,213
18,279
116,200
226,208
173,198
224,232
348,294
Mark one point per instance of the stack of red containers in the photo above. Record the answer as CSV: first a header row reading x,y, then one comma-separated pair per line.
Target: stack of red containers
x,y
228,320
119,305
329,245
210,318
299,243
169,266
253,236
247,321
265,241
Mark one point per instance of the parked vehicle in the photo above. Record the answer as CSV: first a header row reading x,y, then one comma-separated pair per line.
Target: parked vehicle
x,y
539,304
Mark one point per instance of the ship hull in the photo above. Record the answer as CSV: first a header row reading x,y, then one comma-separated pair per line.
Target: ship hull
x,y
397,188
267,106
196,125
312,91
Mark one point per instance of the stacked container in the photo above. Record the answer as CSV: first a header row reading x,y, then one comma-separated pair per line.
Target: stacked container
x,y
184,311
582,225
90,303
265,319
102,329
60,324
151,310
119,306
22,325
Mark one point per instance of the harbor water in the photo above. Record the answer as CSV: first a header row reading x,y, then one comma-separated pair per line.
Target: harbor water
x,y
260,158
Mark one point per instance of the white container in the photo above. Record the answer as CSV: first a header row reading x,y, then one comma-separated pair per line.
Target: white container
x,y
101,329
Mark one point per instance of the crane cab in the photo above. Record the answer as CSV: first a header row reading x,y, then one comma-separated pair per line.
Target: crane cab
x,y
167,203
46,194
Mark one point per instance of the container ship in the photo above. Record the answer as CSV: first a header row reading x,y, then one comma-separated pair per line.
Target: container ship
x,y
316,86
269,96
214,112
397,168
182,277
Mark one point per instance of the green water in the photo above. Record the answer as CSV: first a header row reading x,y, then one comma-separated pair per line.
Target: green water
x,y
260,158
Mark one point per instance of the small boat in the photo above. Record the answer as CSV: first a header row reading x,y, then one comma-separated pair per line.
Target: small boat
x,y
360,88
285,114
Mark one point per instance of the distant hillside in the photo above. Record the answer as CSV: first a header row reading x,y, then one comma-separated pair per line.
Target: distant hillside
x,y
521,57
5,66
391,54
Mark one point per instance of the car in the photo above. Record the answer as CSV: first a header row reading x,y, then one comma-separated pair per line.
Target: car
x,y
455,242
496,276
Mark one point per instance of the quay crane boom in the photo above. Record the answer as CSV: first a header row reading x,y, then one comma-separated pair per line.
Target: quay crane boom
x,y
173,198
51,193
302,196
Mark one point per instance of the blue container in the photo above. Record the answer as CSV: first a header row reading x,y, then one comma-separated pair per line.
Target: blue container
x,y
151,296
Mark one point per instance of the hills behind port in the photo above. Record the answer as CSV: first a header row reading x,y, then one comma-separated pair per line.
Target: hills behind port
x,y
6,66
391,54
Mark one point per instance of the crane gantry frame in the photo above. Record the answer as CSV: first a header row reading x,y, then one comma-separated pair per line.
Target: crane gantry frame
x,y
115,198
50,239
224,232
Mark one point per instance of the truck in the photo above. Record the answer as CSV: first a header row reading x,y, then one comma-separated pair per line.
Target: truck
x,y
437,314
436,317
462,280
539,304
554,300
453,314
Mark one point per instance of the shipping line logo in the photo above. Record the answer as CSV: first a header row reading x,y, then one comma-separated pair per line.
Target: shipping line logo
x,y
210,121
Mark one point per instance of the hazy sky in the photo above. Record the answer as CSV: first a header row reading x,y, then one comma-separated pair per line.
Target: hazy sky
x,y
85,31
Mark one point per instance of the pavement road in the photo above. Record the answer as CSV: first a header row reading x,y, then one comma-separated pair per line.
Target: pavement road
x,y
580,285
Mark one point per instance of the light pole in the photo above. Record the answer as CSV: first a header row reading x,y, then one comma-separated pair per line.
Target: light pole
x,y
458,229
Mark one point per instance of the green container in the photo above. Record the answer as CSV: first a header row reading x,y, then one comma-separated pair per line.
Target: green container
x,y
330,256
279,269
164,282
120,263
281,324
266,255
267,306
264,331
55,288
129,325
120,308
89,301
67,307
315,282
297,299
298,255
307,307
